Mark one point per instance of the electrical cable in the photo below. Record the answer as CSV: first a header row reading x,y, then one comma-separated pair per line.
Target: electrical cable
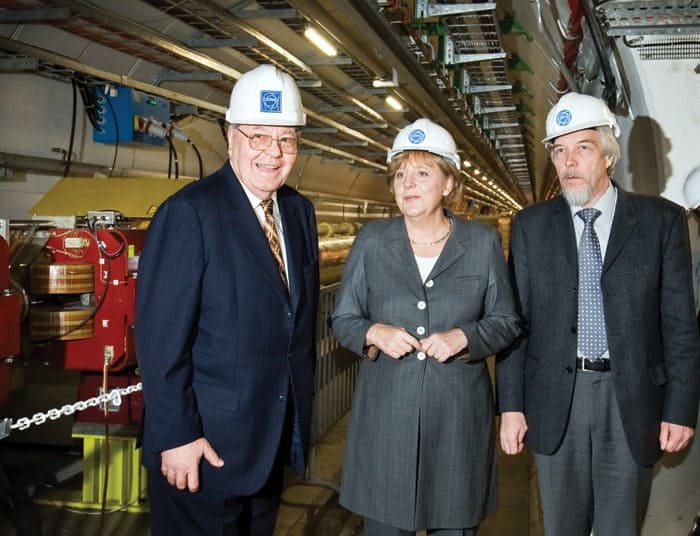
x,y
173,153
168,132
224,129
101,246
66,170
89,102
170,162
199,158
106,452
116,131
599,40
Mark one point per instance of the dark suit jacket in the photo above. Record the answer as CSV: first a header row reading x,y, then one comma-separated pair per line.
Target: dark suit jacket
x,y
649,314
221,345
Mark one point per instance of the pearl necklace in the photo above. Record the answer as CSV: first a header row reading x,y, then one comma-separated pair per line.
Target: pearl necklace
x,y
444,237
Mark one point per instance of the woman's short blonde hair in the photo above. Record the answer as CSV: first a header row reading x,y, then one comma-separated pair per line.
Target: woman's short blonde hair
x,y
420,157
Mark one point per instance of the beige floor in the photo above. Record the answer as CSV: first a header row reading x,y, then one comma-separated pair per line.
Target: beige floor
x,y
311,509
308,509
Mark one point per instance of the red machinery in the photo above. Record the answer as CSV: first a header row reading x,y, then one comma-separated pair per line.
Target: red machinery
x,y
81,316
9,322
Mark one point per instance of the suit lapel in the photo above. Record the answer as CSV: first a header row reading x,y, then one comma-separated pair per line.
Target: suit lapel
x,y
562,232
624,222
245,229
457,246
293,243
398,249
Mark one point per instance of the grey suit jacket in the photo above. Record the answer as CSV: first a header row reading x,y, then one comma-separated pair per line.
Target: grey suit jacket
x,y
649,314
420,447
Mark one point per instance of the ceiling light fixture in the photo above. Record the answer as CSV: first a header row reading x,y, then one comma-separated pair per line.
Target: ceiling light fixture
x,y
394,103
321,42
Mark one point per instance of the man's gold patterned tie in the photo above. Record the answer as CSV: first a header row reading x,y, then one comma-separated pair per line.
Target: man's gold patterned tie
x,y
272,237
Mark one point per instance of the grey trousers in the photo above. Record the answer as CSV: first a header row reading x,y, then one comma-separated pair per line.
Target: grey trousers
x,y
375,528
592,481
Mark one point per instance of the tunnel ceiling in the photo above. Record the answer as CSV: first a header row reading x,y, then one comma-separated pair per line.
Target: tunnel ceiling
x,y
487,71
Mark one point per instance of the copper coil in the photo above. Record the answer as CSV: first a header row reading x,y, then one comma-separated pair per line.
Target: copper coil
x,y
60,324
62,278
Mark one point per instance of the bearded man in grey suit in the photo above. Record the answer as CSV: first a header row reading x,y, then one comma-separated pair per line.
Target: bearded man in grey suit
x,y
607,373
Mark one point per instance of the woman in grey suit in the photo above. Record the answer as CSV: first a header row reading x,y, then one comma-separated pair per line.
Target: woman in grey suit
x,y
424,299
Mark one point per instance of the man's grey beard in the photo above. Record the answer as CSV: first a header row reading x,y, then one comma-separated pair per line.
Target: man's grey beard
x,y
578,197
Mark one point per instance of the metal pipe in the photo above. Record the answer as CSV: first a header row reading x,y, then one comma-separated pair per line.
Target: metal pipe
x,y
54,166
334,251
559,61
343,229
610,86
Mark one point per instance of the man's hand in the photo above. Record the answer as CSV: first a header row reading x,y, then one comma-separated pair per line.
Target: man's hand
x,y
512,431
393,341
674,437
181,464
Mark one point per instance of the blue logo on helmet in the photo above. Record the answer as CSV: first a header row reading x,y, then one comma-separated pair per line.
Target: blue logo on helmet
x,y
270,101
416,136
563,118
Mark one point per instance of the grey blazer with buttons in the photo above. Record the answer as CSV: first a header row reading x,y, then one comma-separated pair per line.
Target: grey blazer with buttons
x,y
649,314
420,447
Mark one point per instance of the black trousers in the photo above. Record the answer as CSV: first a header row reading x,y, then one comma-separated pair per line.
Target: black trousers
x,y
182,513
208,513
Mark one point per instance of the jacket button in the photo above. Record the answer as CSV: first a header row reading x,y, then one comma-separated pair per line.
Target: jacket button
x,y
429,283
421,305
569,370
420,330
421,356
573,329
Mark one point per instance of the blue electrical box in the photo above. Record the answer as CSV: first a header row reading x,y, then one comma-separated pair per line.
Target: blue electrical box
x,y
118,111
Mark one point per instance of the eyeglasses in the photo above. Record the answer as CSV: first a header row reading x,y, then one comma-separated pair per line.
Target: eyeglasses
x,y
262,142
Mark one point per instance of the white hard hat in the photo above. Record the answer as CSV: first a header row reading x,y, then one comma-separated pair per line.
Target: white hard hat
x,y
424,135
266,96
691,189
575,111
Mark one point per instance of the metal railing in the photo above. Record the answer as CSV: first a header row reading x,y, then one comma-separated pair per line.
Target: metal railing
x,y
336,370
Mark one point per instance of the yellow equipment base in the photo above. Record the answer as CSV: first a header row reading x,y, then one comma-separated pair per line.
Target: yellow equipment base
x,y
126,478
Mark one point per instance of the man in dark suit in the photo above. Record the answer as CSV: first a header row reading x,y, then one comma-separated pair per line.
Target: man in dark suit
x,y
225,326
607,375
